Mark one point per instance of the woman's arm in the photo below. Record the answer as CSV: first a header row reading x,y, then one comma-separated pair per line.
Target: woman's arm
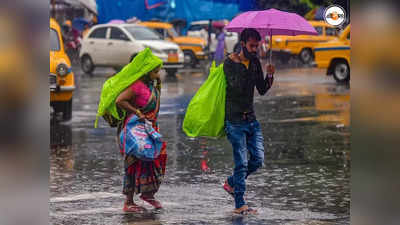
x,y
124,101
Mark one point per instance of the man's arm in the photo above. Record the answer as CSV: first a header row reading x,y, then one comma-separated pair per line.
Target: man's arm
x,y
262,83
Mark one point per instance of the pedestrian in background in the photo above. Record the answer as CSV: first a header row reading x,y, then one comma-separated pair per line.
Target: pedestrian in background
x,y
244,73
221,46
85,30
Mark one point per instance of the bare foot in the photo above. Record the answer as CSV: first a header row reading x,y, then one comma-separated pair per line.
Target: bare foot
x,y
152,201
228,188
245,210
132,207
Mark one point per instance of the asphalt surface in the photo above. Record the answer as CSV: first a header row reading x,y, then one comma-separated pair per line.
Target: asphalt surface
x,y
305,119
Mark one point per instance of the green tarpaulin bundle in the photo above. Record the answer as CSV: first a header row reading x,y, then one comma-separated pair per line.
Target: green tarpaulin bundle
x,y
205,115
143,63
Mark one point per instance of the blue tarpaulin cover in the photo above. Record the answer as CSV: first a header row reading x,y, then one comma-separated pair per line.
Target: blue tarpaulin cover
x,y
167,10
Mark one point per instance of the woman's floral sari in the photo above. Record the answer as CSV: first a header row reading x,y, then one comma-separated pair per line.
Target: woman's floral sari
x,y
142,176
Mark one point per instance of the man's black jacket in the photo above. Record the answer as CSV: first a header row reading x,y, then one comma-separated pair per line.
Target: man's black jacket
x,y
240,89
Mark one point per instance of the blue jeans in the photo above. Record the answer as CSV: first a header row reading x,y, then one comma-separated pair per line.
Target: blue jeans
x,y
246,139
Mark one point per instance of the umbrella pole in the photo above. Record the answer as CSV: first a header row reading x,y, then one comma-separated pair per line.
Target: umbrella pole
x,y
270,48
270,58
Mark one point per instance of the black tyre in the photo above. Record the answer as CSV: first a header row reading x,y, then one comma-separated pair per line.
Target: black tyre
x,y
132,58
190,58
306,56
171,72
118,68
87,64
284,58
67,110
341,71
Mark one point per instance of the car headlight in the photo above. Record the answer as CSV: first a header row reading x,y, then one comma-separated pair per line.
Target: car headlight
x,y
278,39
154,50
63,70
180,51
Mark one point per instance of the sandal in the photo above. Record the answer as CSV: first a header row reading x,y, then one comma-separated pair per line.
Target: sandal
x,y
245,210
133,208
152,201
228,189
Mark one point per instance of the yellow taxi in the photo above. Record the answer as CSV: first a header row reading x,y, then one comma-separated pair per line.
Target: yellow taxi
x,y
303,45
61,78
335,56
192,47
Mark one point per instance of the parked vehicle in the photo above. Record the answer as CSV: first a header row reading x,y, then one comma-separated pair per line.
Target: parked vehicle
x,y
115,45
192,47
303,45
335,56
200,29
61,77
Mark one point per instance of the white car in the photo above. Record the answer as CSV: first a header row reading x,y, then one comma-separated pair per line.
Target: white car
x,y
115,45
199,29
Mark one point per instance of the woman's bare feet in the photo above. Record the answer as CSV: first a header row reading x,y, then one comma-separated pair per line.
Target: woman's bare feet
x,y
132,207
151,200
245,210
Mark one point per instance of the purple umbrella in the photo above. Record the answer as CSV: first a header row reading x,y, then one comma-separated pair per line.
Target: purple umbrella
x,y
272,22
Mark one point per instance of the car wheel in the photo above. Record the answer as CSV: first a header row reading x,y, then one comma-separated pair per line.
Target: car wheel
x,y
341,71
306,56
132,57
171,72
67,110
284,58
118,68
87,64
190,59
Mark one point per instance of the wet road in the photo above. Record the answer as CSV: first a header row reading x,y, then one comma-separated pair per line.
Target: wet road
x,y
305,119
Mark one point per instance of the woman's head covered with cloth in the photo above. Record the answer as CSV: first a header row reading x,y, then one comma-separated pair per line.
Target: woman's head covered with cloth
x,y
142,64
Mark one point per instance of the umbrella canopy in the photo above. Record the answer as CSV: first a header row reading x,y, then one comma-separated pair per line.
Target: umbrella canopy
x,y
218,24
272,22
90,5
116,22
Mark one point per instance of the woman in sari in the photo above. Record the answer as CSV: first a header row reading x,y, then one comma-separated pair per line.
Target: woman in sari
x,y
142,177
136,89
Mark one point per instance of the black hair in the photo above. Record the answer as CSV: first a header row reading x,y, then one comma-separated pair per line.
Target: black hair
x,y
248,33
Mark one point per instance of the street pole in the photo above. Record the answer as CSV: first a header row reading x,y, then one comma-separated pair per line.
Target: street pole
x,y
270,48
209,36
53,6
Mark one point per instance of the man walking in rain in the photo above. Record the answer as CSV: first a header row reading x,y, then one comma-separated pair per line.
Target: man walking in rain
x,y
243,72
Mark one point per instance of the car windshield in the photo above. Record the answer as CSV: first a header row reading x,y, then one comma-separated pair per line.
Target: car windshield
x,y
319,30
172,32
54,41
142,33
342,33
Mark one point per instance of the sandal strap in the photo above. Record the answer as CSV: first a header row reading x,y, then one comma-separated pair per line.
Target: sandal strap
x,y
247,211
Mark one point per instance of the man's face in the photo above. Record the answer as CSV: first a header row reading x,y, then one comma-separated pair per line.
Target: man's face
x,y
251,45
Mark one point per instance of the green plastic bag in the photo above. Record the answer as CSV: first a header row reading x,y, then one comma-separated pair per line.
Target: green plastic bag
x,y
205,115
143,63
